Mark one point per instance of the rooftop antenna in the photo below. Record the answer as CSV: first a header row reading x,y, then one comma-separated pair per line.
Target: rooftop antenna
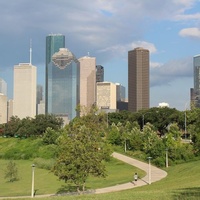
x,y
30,51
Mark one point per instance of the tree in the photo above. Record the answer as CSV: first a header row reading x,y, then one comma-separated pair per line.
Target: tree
x,y
80,154
11,171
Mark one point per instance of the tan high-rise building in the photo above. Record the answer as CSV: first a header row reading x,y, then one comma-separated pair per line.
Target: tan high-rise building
x,y
106,96
138,79
3,108
87,81
25,84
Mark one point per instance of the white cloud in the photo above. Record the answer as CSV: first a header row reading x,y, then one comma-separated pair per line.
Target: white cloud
x,y
190,32
155,64
170,71
147,45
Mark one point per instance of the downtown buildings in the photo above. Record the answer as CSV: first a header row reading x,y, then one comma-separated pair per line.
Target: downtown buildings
x,y
138,79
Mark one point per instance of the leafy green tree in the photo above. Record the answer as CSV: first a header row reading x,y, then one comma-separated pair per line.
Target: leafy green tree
x,y
10,129
81,153
11,171
50,136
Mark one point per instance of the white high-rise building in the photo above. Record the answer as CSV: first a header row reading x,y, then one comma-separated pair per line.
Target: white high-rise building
x,y
3,87
3,108
87,81
25,84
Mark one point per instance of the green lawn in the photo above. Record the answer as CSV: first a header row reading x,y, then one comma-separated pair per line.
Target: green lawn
x,y
47,183
182,183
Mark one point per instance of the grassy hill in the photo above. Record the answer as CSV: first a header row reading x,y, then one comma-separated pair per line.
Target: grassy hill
x,y
182,182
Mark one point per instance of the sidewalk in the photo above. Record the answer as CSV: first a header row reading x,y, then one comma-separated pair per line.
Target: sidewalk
x,y
156,175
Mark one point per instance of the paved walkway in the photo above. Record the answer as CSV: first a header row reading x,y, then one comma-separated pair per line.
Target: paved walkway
x,y
156,175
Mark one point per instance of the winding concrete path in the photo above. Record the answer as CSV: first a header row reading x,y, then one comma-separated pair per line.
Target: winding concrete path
x,y
156,175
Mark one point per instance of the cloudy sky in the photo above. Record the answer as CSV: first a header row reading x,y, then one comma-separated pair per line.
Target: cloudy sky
x,y
108,29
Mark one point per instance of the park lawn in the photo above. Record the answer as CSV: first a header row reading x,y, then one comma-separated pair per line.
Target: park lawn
x,y
182,183
47,183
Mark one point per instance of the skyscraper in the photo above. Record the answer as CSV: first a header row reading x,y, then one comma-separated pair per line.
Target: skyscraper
x,y
196,92
53,43
63,84
99,73
138,79
87,81
25,82
3,87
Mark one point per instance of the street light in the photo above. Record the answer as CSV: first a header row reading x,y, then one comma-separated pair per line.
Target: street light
x,y
32,189
149,170
166,157
143,119
186,118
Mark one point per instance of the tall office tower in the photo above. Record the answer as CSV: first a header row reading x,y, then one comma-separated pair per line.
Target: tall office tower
x,y
10,109
107,96
3,87
87,81
25,82
120,92
53,43
39,97
63,91
138,79
99,73
195,93
3,108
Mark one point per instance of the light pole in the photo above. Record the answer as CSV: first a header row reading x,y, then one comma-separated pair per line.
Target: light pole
x,y
143,120
32,189
149,170
167,157
186,118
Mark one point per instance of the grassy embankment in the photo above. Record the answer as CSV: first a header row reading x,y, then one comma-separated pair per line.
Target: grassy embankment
x,y
45,181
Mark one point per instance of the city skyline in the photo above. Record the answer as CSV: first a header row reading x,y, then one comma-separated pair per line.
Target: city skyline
x,y
108,30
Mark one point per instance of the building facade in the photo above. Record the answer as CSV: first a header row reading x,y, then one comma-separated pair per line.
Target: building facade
x,y
25,83
99,73
53,43
138,79
195,93
3,108
3,87
87,81
63,91
106,96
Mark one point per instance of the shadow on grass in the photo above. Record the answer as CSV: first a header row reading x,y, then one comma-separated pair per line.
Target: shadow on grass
x,y
187,194
70,190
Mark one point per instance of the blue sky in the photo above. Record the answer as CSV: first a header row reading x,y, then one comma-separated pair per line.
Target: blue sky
x,y
170,29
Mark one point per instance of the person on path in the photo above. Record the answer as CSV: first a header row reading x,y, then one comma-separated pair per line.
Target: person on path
x,y
135,178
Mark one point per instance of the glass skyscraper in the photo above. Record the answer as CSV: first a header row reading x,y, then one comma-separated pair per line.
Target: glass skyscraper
x,y
53,43
62,79
196,95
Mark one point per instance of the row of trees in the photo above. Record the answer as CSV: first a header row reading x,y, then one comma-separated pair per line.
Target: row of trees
x,y
28,127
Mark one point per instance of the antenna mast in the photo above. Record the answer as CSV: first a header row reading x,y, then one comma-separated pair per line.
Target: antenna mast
x,y
30,51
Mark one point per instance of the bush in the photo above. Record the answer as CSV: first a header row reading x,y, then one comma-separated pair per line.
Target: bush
x,y
44,163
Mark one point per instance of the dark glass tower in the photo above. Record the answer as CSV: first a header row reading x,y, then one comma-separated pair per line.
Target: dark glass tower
x,y
53,43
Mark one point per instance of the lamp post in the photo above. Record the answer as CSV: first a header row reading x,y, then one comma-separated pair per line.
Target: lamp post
x,y
186,118
149,175
167,157
143,119
32,188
